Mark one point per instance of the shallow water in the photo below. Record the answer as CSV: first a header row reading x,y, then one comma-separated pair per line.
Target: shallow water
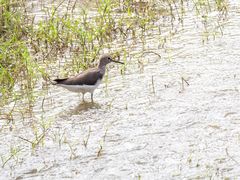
x,y
139,129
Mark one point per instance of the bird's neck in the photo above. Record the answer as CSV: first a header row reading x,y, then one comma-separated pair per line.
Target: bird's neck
x,y
102,69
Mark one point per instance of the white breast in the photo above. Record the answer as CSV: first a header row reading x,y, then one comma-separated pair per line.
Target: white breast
x,y
81,88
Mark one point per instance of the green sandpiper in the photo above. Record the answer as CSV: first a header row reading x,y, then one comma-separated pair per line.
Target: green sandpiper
x,y
87,81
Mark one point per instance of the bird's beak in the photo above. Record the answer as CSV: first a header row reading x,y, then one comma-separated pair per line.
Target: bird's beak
x,y
117,61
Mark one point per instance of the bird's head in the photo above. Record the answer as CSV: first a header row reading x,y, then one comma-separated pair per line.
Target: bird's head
x,y
106,59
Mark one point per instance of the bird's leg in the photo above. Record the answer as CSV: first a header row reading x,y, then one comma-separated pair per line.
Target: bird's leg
x,y
83,97
92,97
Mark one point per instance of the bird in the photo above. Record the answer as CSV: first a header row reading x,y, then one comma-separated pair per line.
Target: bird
x,y
89,80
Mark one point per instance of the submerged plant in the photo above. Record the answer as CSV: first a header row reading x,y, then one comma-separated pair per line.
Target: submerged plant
x,y
13,154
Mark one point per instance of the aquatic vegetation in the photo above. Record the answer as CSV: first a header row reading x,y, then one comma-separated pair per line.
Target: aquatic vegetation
x,y
28,48
31,47
17,67
153,87
13,154
85,141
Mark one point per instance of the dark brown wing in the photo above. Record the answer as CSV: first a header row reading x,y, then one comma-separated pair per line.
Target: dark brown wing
x,y
89,77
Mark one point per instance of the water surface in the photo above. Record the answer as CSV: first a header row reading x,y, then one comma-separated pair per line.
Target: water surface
x,y
143,124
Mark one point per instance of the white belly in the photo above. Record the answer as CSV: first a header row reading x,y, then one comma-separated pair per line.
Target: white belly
x,y
81,88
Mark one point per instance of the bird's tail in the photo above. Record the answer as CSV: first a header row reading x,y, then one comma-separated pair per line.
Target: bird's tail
x,y
58,81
